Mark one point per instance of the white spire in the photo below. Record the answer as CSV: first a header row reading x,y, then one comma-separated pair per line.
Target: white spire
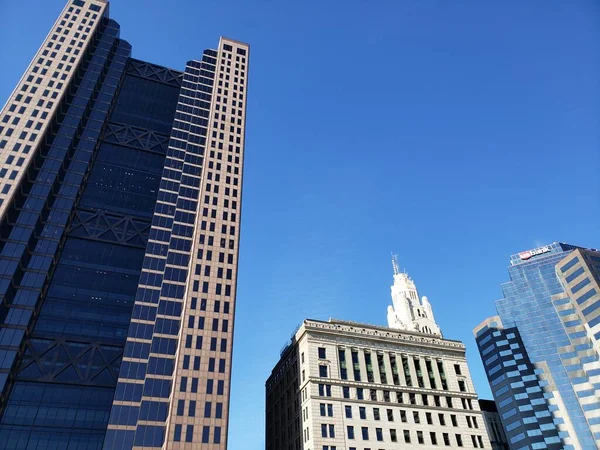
x,y
395,264
406,311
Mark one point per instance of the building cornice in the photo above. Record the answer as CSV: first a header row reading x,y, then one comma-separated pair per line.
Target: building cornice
x,y
378,333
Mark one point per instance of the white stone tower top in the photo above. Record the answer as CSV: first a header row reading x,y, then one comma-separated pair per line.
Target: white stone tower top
x,y
407,312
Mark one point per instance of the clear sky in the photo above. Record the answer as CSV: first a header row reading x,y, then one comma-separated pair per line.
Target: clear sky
x,y
454,133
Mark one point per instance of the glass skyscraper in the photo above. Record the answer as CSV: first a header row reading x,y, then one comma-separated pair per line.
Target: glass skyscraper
x,y
541,353
120,201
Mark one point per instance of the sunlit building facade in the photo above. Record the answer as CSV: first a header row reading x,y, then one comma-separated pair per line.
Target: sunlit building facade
x,y
342,385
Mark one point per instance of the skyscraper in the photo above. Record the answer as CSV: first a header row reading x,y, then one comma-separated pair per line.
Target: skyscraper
x,y
345,385
541,352
120,201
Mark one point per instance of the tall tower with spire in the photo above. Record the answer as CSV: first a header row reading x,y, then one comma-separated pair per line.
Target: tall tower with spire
x,y
407,312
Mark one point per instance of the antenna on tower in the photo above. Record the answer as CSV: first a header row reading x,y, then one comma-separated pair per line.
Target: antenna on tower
x,y
395,264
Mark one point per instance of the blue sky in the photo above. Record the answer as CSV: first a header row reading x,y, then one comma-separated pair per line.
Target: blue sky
x,y
453,133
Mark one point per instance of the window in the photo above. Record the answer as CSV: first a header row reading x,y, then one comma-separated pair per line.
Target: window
x,y
390,415
346,391
461,386
350,430
442,419
459,440
376,415
429,418
453,419
323,371
403,416
322,353
359,394
433,438
416,417
348,410
362,412
322,409
365,433
446,438
331,431
325,390
393,435
407,436
457,369
420,439
329,410
379,434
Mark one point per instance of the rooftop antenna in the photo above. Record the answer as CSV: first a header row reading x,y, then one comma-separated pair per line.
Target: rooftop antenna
x,y
395,264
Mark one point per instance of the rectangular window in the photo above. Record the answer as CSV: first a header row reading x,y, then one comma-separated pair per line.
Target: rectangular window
x,y
379,434
323,371
365,433
433,438
350,432
403,416
390,415
446,438
406,436
322,353
348,410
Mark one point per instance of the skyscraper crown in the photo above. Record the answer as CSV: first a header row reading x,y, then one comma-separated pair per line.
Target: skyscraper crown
x,y
407,312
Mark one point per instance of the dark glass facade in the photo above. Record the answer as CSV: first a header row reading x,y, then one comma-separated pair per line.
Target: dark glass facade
x,y
62,386
97,239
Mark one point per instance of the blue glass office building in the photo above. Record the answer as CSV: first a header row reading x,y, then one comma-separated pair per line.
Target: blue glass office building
x,y
120,188
540,362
